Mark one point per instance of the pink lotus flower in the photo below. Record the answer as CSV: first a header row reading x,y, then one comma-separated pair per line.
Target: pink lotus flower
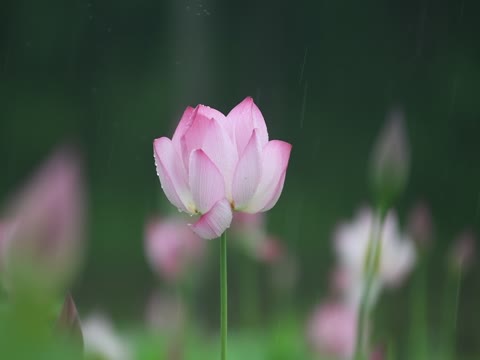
x,y
171,247
332,330
215,163
42,242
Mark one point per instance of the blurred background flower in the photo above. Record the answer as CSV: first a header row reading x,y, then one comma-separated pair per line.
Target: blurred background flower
x,y
351,242
42,243
102,341
172,248
332,330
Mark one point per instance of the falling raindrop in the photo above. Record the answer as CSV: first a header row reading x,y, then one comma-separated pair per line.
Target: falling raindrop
x,y
302,70
304,104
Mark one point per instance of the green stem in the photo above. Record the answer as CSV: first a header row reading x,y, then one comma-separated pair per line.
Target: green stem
x,y
451,303
223,295
418,334
457,299
371,267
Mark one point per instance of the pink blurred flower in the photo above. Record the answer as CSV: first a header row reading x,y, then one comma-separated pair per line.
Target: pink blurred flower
x,y
215,163
171,247
45,226
250,231
463,251
420,225
332,330
351,245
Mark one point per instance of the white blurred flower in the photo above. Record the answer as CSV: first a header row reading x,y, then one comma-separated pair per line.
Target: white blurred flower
x,y
352,240
100,339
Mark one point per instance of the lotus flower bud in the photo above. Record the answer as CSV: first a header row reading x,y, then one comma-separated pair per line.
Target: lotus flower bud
x,y
390,163
42,246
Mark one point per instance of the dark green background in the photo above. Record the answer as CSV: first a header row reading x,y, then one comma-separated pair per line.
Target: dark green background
x,y
111,76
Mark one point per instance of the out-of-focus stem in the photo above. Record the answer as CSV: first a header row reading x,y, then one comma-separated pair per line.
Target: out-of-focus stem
x,y
223,295
371,267
450,312
418,333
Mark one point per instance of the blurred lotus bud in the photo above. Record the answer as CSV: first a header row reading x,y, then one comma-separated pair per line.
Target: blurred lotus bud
x,y
390,160
42,248
351,242
165,314
69,322
420,225
332,329
101,341
171,247
463,251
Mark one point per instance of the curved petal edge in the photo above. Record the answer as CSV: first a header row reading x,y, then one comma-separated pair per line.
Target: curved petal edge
x,y
214,223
